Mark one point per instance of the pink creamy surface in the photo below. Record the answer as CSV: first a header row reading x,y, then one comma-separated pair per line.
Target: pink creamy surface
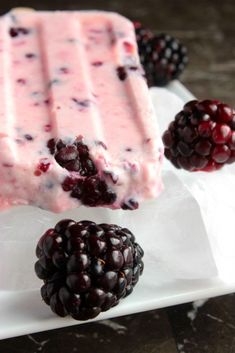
x,y
59,80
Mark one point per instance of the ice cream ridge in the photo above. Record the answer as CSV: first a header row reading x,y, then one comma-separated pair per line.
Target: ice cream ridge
x,y
76,123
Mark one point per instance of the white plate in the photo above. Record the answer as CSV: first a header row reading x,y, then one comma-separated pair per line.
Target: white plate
x,y
24,312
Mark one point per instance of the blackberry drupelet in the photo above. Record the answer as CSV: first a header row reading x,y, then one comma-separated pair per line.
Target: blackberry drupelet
x,y
162,56
86,267
202,136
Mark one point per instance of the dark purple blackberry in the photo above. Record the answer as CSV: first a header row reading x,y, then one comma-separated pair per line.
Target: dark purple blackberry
x,y
17,31
162,56
93,192
86,267
73,157
121,72
202,136
87,187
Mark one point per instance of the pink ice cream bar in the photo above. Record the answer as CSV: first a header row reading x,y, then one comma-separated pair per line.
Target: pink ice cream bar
x,y
76,123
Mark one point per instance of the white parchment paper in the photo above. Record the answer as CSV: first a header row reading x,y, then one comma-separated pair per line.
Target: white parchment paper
x,y
187,233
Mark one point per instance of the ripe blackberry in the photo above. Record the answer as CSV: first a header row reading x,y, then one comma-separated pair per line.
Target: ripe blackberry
x,y
202,136
162,56
73,157
90,189
86,267
93,191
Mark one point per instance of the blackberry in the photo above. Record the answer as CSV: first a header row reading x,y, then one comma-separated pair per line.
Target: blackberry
x,y
202,136
162,56
90,189
86,267
73,157
93,192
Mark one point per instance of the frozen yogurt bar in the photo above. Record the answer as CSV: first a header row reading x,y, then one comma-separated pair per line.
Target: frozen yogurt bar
x,y
76,123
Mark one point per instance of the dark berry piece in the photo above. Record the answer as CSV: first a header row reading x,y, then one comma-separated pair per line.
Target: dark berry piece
x,y
66,154
122,73
95,192
28,137
162,56
51,144
30,55
44,165
82,149
86,268
202,136
17,31
77,187
90,189
130,205
87,167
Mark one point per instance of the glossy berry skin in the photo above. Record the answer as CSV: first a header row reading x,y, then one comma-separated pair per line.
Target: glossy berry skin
x,y
162,56
202,136
87,268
